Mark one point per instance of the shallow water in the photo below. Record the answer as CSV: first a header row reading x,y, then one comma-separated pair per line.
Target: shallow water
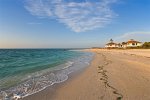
x,y
27,71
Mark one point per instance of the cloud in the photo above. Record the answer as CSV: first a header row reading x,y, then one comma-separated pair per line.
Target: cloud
x,y
79,16
140,36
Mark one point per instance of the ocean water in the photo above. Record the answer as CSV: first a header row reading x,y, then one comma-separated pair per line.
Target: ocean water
x,y
26,71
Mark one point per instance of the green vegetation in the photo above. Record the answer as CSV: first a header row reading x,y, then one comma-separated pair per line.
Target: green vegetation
x,y
146,45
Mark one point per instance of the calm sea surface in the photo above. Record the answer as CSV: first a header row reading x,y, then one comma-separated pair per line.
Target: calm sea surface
x,y
27,71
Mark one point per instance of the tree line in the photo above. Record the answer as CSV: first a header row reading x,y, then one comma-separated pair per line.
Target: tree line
x,y
146,45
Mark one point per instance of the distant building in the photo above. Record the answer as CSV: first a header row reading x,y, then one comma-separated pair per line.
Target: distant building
x,y
133,43
124,45
111,44
129,44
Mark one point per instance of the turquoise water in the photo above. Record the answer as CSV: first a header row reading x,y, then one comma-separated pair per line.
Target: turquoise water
x,y
23,69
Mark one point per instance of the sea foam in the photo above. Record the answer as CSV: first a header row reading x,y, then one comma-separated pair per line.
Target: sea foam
x,y
39,82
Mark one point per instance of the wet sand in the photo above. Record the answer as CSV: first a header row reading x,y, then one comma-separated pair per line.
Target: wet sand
x,y
112,75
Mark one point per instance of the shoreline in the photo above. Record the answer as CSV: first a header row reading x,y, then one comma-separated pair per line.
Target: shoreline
x,y
71,75
53,88
112,75
39,83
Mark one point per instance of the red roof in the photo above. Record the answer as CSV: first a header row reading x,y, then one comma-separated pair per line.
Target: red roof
x,y
133,41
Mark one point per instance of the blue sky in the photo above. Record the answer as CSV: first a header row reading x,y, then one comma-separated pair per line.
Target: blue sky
x,y
72,23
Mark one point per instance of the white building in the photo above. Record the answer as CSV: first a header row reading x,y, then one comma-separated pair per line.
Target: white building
x,y
111,44
124,45
133,43
129,44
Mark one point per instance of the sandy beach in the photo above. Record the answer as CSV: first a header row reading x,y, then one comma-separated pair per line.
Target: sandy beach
x,y
112,75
